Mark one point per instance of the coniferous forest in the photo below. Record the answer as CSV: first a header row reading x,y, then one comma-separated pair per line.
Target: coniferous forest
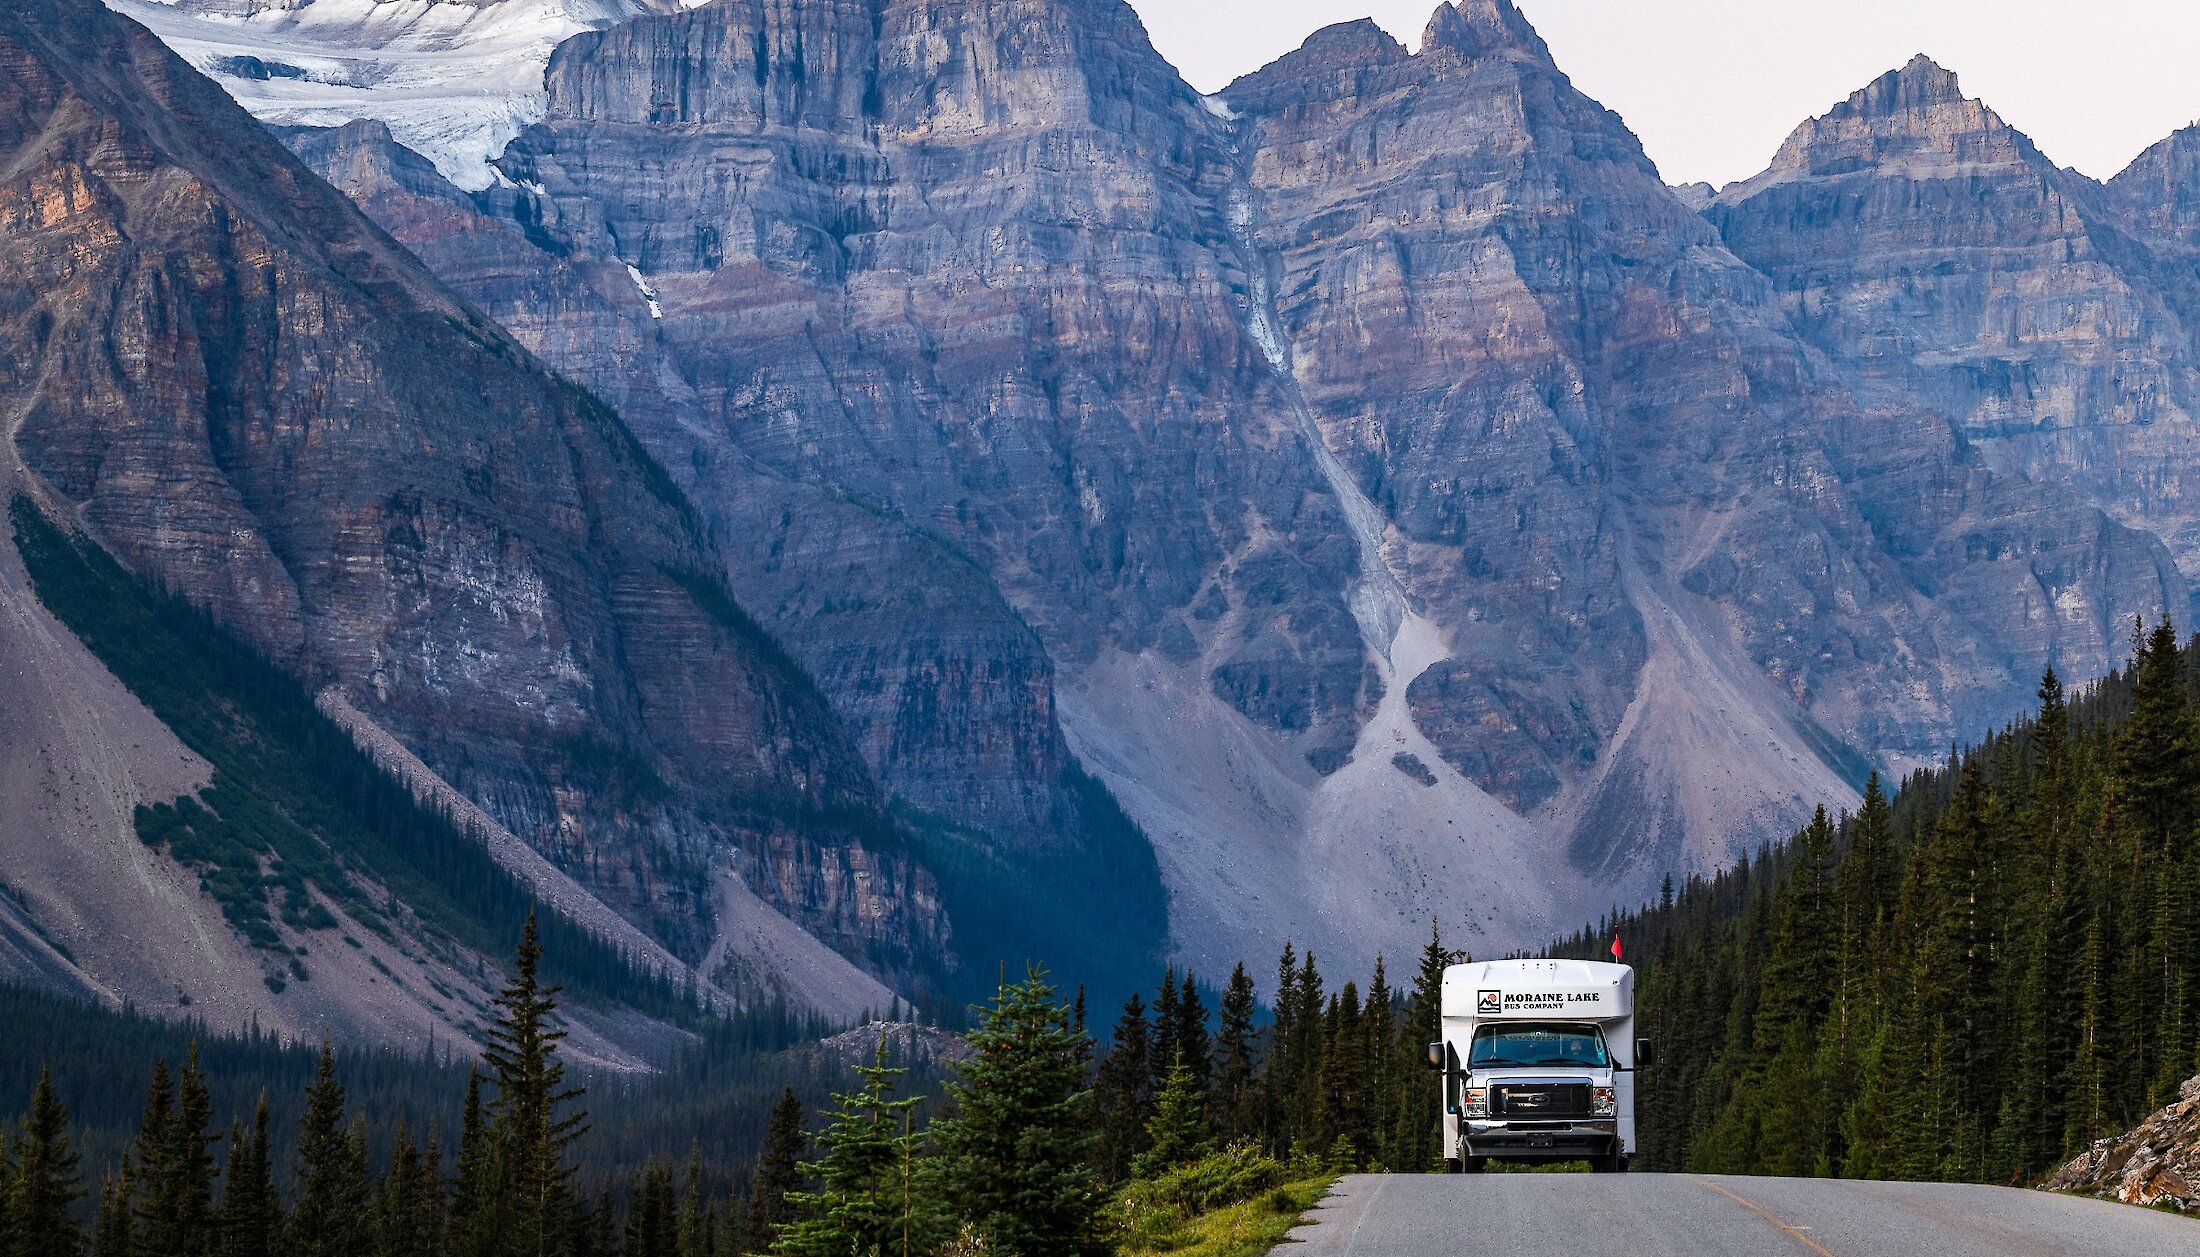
x,y
1969,980
1036,1143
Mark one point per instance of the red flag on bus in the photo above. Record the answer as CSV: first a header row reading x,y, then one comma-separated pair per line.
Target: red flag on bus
x,y
1615,947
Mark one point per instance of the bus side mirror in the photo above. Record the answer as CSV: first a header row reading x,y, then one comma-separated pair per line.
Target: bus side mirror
x,y
1436,1055
1642,1053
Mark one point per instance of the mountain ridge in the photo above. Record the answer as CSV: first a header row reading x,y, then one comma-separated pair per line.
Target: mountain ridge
x,y
252,396
1193,428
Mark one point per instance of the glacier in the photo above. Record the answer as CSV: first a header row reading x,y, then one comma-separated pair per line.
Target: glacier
x,y
454,80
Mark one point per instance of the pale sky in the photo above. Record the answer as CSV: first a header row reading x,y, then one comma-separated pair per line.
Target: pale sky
x,y
1713,86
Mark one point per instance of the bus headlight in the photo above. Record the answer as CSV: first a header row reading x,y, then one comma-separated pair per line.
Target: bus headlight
x,y
1601,1101
1477,1102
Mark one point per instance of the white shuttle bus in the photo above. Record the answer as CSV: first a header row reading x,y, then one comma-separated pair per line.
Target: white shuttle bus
x,y
1538,1062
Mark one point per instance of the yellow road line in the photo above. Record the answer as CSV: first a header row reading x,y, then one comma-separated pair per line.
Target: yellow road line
x,y
1767,1215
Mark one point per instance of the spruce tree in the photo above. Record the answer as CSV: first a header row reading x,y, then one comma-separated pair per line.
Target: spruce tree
x,y
1193,1045
332,1215
1015,1159
652,1230
530,1127
1167,1022
871,1196
1301,1085
1415,1144
1279,1064
1343,1109
409,1211
476,1201
1798,975
147,1162
1236,1110
173,1167
250,1214
1123,1092
44,1182
698,1224
1379,1049
2155,745
1177,1133
778,1172
114,1232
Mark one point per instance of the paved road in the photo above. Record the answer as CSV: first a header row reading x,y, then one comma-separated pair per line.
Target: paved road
x,y
1687,1215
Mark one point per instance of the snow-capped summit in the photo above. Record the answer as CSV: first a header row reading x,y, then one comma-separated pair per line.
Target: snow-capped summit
x,y
454,79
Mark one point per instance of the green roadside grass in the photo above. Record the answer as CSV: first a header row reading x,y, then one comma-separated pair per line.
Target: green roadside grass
x,y
1247,1229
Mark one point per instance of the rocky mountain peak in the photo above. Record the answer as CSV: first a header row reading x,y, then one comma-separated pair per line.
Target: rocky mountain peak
x,y
1914,121
1339,53
1358,40
2159,192
1921,83
1483,28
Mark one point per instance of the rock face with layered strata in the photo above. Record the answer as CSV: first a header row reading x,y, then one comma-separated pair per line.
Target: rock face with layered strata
x,y
1961,281
1386,409
1643,509
243,388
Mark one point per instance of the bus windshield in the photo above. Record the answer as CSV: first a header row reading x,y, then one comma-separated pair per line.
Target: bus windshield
x,y
1538,1043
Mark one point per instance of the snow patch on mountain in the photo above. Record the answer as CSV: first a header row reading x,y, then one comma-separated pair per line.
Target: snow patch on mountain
x,y
455,80
641,286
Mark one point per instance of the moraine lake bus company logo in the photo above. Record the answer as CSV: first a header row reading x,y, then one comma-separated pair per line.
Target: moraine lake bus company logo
x,y
1497,1003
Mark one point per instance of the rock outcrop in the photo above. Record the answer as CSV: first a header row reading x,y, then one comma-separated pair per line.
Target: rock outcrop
x,y
230,377
1636,502
1963,284
2156,1164
1384,409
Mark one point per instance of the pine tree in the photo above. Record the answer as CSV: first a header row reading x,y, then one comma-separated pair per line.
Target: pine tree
x,y
250,1215
1122,1092
1167,1021
698,1226
1236,1109
408,1214
1379,1049
871,1197
1861,892
1798,975
332,1214
45,1181
778,1172
2155,746
1193,1045
1343,1112
529,1127
652,1230
1279,1065
1309,1033
476,1202
1177,1133
173,1167
114,1233
1015,1159
1415,1143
